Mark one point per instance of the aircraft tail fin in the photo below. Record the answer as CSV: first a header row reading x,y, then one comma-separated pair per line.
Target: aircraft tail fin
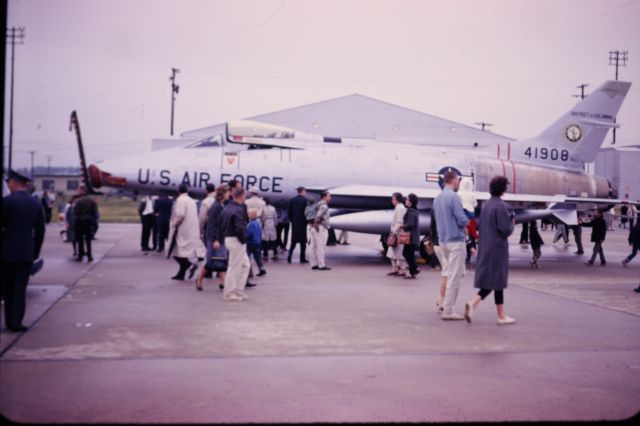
x,y
576,137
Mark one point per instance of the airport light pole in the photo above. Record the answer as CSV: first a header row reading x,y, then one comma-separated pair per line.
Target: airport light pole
x,y
14,36
617,58
32,154
174,91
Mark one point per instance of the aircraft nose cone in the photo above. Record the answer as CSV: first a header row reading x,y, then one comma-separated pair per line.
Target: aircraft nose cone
x,y
99,178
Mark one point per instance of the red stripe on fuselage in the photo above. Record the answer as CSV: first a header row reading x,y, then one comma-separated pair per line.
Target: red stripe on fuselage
x,y
515,182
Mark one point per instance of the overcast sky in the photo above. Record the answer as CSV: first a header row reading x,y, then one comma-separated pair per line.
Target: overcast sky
x,y
511,63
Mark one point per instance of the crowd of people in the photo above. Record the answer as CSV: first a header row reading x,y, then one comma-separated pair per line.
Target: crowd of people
x,y
230,231
223,233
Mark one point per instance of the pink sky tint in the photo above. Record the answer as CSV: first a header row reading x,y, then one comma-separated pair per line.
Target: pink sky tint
x,y
511,63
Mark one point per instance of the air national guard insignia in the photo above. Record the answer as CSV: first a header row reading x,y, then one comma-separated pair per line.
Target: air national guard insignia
x,y
573,133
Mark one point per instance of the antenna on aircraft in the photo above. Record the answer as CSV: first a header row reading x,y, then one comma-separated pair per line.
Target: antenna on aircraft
x,y
617,58
174,91
482,124
581,87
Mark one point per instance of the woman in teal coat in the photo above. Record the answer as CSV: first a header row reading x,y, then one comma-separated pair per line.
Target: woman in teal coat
x,y
495,226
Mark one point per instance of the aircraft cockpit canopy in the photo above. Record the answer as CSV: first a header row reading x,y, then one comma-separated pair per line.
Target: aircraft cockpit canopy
x,y
243,131
211,141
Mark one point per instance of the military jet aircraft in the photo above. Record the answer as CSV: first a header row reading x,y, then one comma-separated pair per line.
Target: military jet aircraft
x,y
545,173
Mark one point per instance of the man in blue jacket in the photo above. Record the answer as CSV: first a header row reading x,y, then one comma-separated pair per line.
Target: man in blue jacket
x,y
22,235
451,235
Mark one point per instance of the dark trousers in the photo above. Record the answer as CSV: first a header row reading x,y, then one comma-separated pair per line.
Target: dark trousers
x,y
270,245
162,231
83,237
15,277
253,250
497,295
524,235
577,236
184,265
470,244
409,253
280,228
634,251
331,239
303,248
597,250
147,232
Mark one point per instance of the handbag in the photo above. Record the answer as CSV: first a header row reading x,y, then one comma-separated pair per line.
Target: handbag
x,y
392,240
219,259
404,237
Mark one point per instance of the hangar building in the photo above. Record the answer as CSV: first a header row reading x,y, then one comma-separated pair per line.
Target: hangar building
x,y
620,166
358,116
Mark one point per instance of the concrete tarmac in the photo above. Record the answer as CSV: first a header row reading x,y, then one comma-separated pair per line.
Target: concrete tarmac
x,y
119,341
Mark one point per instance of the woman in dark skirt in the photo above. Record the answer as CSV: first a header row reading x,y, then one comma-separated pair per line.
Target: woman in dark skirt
x,y
411,224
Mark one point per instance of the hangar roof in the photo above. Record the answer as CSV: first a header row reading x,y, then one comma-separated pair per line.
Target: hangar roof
x,y
359,116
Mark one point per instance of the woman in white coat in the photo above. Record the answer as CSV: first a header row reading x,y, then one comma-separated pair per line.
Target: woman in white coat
x,y
398,264
269,234
185,231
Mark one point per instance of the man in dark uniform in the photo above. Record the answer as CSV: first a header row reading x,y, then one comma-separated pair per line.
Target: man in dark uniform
x,y
598,235
22,235
298,224
85,212
162,211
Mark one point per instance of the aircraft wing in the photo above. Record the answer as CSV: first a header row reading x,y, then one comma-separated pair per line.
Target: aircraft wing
x,y
384,192
374,203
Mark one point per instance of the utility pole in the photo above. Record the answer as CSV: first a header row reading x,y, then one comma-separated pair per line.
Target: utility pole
x,y
581,95
617,58
14,36
482,124
174,91
49,164
32,154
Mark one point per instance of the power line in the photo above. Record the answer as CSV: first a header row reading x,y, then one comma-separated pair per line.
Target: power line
x,y
174,91
482,124
581,87
13,36
617,58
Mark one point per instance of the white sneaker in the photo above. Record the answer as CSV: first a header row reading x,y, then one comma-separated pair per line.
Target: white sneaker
x,y
506,320
231,297
242,296
468,312
452,317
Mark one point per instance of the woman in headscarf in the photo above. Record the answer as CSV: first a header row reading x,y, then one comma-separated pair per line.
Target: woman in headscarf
x,y
398,265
